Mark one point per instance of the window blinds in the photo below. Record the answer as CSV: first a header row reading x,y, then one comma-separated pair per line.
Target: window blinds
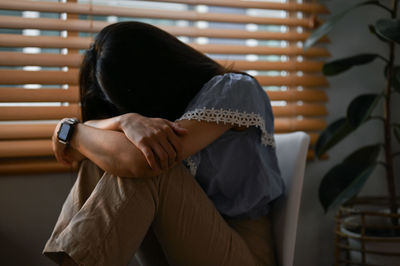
x,y
41,46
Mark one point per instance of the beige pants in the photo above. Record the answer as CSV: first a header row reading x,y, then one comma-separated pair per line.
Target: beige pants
x,y
106,218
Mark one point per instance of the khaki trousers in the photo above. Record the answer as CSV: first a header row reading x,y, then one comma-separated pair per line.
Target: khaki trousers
x,y
105,219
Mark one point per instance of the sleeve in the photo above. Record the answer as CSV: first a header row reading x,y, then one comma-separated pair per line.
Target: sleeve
x,y
236,99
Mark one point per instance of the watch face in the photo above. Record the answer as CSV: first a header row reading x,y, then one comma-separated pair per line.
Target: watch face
x,y
64,131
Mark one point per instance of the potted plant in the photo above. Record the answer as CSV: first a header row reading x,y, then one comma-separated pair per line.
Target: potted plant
x,y
360,220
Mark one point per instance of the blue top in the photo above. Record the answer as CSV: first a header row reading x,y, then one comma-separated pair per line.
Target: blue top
x,y
239,171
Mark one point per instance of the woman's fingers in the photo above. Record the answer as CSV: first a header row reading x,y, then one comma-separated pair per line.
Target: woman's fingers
x,y
65,158
155,154
170,150
149,155
177,128
58,148
161,155
176,144
59,151
157,138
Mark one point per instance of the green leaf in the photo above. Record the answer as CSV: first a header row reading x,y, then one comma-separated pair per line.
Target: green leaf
x,y
328,25
364,155
389,29
396,131
331,135
361,108
341,183
396,78
373,31
345,180
338,66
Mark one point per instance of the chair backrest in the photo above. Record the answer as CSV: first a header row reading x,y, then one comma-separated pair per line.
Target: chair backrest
x,y
291,150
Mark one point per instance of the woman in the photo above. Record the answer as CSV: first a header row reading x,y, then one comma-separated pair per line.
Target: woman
x,y
150,102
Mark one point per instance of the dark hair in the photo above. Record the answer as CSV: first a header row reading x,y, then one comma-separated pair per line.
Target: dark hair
x,y
137,67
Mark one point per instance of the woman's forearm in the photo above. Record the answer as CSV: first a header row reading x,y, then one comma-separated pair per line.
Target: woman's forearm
x,y
113,123
111,151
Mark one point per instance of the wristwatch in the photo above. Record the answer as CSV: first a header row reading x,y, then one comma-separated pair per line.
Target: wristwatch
x,y
66,130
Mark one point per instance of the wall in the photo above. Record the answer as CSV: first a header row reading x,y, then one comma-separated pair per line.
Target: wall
x,y
29,207
315,244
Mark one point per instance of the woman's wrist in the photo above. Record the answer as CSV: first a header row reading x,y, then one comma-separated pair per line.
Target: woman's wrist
x,y
63,142
114,123
74,142
124,120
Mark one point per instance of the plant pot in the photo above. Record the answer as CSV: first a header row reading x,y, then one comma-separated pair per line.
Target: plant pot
x,y
367,234
376,249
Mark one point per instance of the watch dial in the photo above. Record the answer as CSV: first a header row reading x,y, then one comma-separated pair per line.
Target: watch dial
x,y
63,134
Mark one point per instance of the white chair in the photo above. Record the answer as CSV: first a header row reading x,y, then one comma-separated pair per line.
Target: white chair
x,y
291,150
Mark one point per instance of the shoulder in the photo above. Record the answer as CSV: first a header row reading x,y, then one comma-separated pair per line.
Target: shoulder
x,y
231,91
235,99
231,81
235,76
231,88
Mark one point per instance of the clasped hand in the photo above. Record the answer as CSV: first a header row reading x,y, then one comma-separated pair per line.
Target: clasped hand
x,y
157,138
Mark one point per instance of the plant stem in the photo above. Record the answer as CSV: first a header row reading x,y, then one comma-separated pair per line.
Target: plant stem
x,y
383,58
387,9
387,127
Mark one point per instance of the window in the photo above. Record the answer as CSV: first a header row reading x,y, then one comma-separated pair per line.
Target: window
x,y
42,42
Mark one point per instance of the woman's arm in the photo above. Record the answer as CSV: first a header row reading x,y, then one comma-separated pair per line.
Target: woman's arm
x,y
113,152
200,135
157,138
110,150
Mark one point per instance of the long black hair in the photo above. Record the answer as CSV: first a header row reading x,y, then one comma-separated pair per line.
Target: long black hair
x,y
136,67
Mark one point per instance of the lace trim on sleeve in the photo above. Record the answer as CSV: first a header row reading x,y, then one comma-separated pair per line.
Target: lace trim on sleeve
x,y
231,117
192,166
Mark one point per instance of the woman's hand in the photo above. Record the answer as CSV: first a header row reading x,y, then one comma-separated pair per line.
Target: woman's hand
x,y
64,153
157,138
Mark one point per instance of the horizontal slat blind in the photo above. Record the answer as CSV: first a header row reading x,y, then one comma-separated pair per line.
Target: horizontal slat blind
x,y
74,60
108,11
95,26
41,45
149,13
71,77
11,40
72,95
283,5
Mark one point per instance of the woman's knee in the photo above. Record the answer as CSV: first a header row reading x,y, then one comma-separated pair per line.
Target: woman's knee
x,y
176,175
88,168
89,175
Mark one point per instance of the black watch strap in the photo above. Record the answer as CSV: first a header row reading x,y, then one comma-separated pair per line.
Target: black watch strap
x,y
66,130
